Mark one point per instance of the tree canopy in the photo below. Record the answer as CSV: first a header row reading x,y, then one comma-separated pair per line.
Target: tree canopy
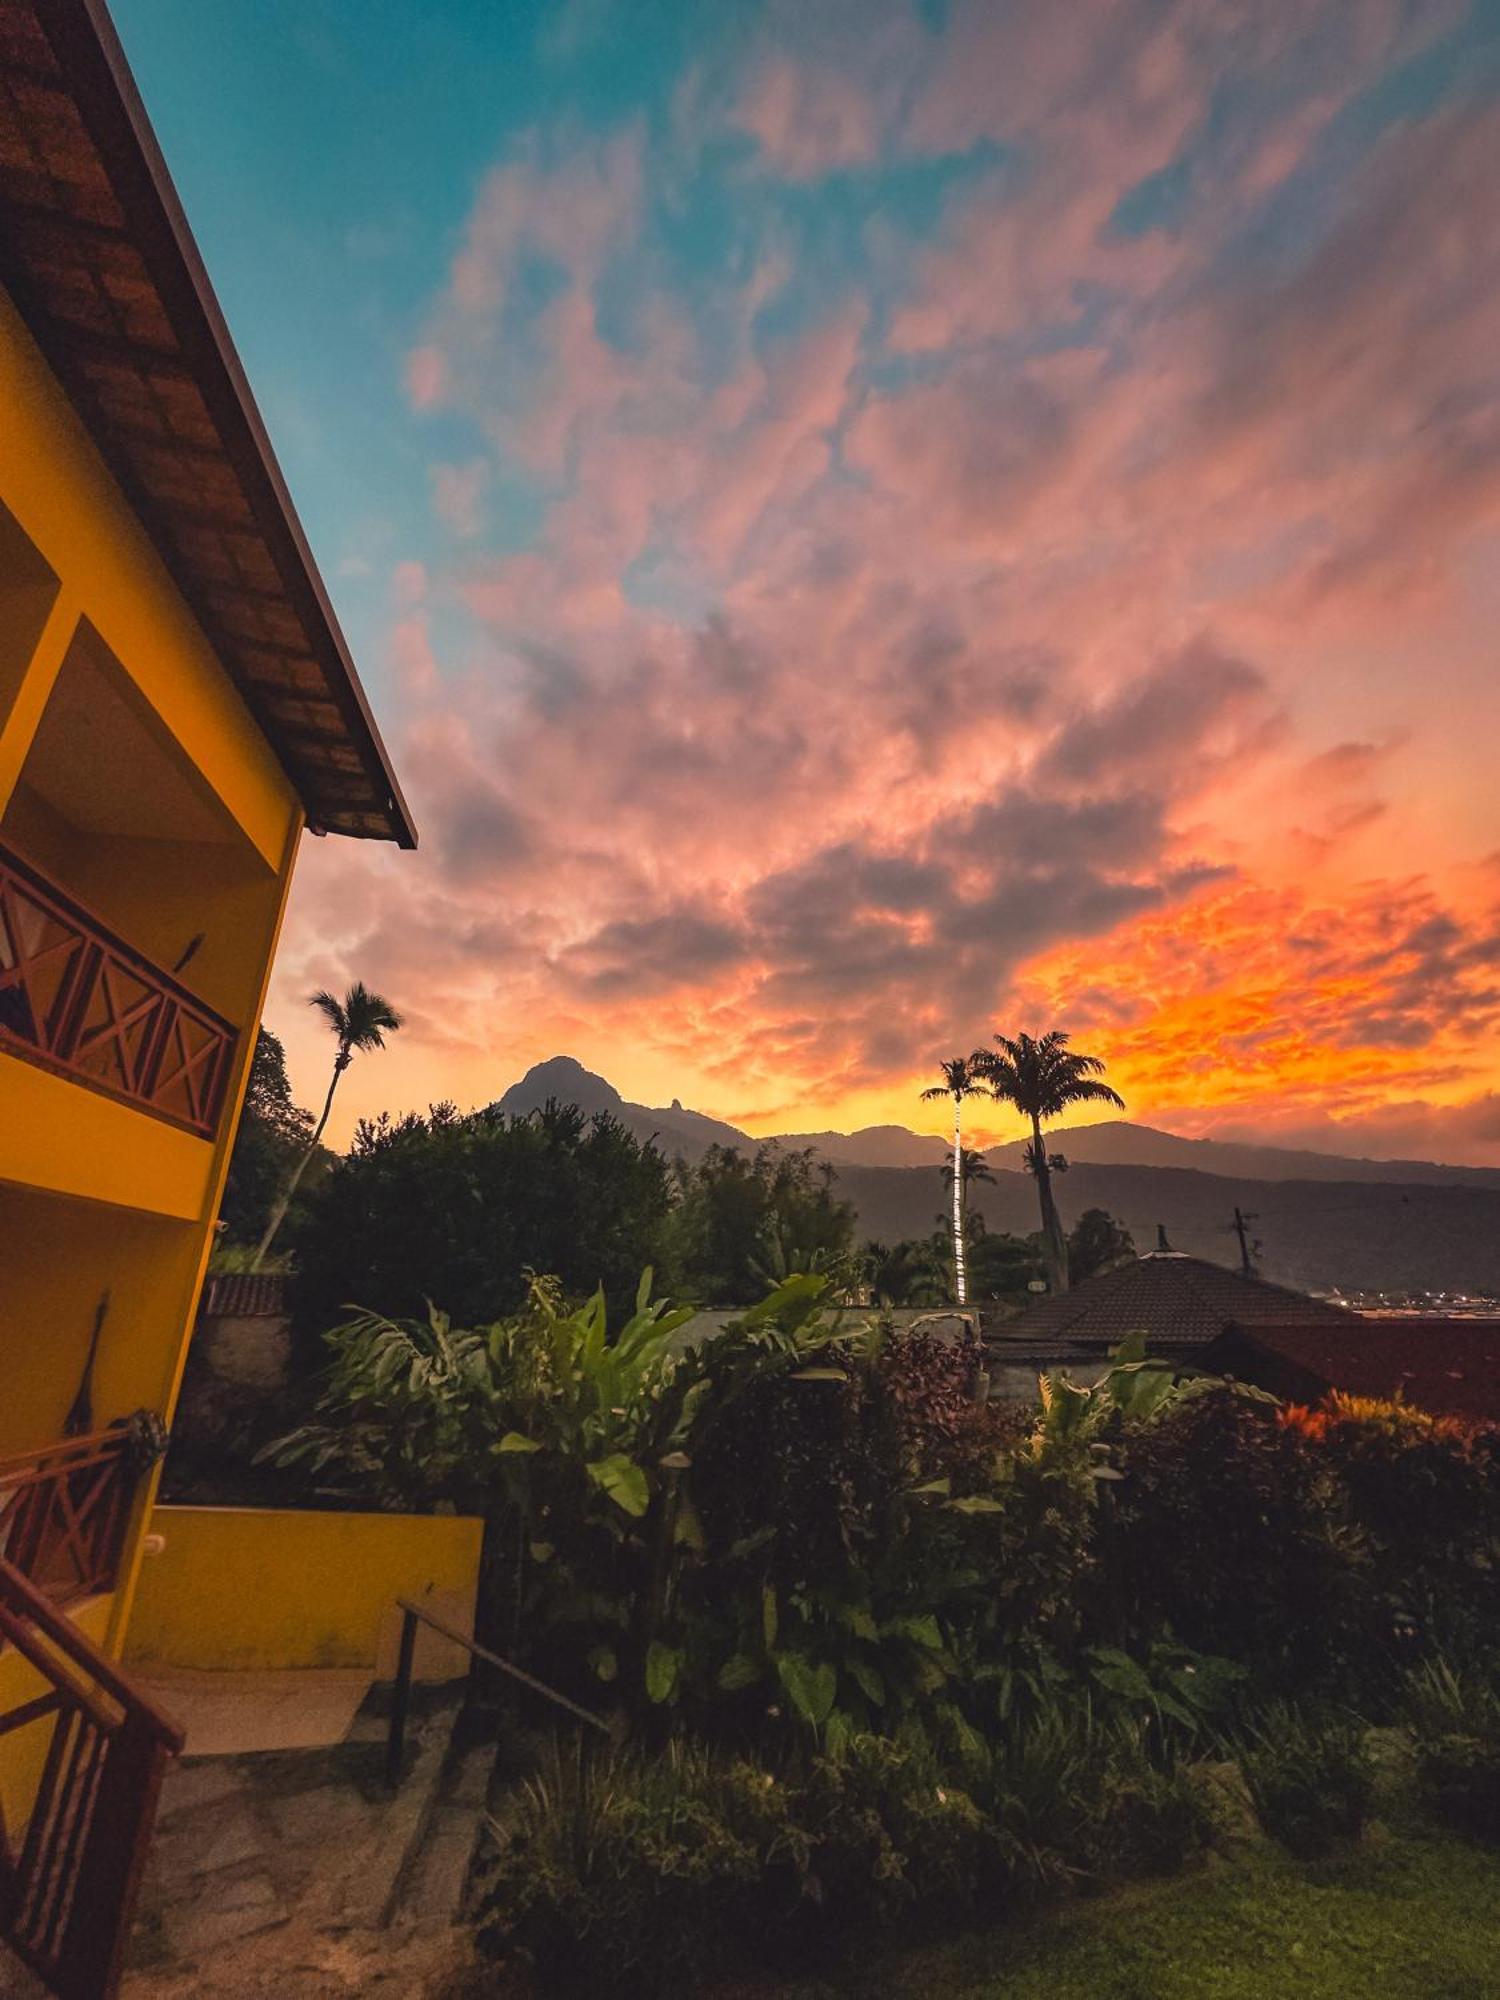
x,y
461,1206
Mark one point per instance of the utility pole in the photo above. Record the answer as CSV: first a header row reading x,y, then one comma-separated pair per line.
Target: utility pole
x,y
1240,1226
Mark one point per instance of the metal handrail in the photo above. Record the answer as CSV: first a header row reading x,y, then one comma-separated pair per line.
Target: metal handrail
x,y
395,1745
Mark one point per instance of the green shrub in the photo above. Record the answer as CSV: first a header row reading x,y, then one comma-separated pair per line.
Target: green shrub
x,y
1455,1719
1154,1818
622,1874
890,1835
1309,1776
1228,1530
1071,1798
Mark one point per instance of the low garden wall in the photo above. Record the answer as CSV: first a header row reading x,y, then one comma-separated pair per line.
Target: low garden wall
x,y
245,1587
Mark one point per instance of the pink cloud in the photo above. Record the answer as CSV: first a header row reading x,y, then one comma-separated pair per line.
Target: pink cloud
x,y
980,644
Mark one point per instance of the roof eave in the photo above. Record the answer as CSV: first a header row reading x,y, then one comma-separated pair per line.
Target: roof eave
x,y
84,37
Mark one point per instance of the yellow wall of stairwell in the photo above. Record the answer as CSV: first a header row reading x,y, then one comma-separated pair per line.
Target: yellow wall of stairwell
x,y
237,1588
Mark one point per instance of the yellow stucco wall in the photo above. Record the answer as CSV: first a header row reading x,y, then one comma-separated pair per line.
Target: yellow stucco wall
x,y
240,1588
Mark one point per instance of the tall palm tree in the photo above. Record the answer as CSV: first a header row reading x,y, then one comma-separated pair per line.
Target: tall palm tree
x,y
360,1022
1041,1078
960,1080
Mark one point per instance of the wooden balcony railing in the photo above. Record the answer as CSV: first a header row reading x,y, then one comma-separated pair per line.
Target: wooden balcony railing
x,y
69,1879
64,1511
77,999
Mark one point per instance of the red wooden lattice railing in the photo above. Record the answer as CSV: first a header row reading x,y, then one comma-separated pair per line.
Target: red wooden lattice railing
x,y
64,1510
69,1880
76,998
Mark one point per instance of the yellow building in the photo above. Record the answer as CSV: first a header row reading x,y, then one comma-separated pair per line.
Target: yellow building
x,y
177,705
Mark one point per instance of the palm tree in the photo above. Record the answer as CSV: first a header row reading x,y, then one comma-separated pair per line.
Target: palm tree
x,y
960,1080
1041,1078
360,1021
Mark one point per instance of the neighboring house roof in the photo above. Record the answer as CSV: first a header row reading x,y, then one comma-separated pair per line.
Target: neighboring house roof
x,y
1180,1301
244,1295
1448,1366
97,255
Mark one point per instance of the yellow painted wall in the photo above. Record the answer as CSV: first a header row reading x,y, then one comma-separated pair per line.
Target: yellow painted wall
x,y
239,1588
57,1134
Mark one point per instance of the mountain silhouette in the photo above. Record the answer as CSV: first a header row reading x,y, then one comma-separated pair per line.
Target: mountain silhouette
x,y
1324,1220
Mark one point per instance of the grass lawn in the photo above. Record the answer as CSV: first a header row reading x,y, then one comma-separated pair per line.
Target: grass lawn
x,y
1408,1915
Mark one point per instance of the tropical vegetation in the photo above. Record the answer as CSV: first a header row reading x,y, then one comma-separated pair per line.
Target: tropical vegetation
x,y
878,1655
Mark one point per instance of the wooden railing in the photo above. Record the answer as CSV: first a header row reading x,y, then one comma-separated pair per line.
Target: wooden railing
x,y
77,999
64,1511
69,1880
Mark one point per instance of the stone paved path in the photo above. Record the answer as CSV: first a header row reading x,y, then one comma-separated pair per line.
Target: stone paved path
x,y
280,1873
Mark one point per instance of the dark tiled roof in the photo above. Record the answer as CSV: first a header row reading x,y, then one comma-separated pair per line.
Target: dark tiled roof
x,y
1180,1301
244,1295
1448,1366
98,257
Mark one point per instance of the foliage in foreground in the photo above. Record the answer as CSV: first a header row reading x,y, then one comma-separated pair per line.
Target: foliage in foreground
x,y
913,1659
809,1528
621,1873
1309,1775
1454,1716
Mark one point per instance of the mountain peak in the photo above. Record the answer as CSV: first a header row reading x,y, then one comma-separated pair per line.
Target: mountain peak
x,y
565,1079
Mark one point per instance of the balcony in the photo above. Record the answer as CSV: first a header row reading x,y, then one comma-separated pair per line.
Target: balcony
x,y
64,1511
79,1001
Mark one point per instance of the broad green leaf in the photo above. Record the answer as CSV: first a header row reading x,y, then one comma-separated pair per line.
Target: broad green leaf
x,y
515,1441
867,1680
663,1665
738,1671
940,1487
623,1480
837,1731
809,1688
976,1503
924,1631
1118,1674
856,1619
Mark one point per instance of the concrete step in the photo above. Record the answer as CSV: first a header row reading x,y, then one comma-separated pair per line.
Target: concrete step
x,y
430,1893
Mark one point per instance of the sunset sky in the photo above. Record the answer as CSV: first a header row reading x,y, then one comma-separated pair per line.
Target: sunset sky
x,y
864,525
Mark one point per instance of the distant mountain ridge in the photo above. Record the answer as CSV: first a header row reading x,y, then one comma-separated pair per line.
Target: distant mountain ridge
x,y
1324,1221
675,1130
1111,1142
